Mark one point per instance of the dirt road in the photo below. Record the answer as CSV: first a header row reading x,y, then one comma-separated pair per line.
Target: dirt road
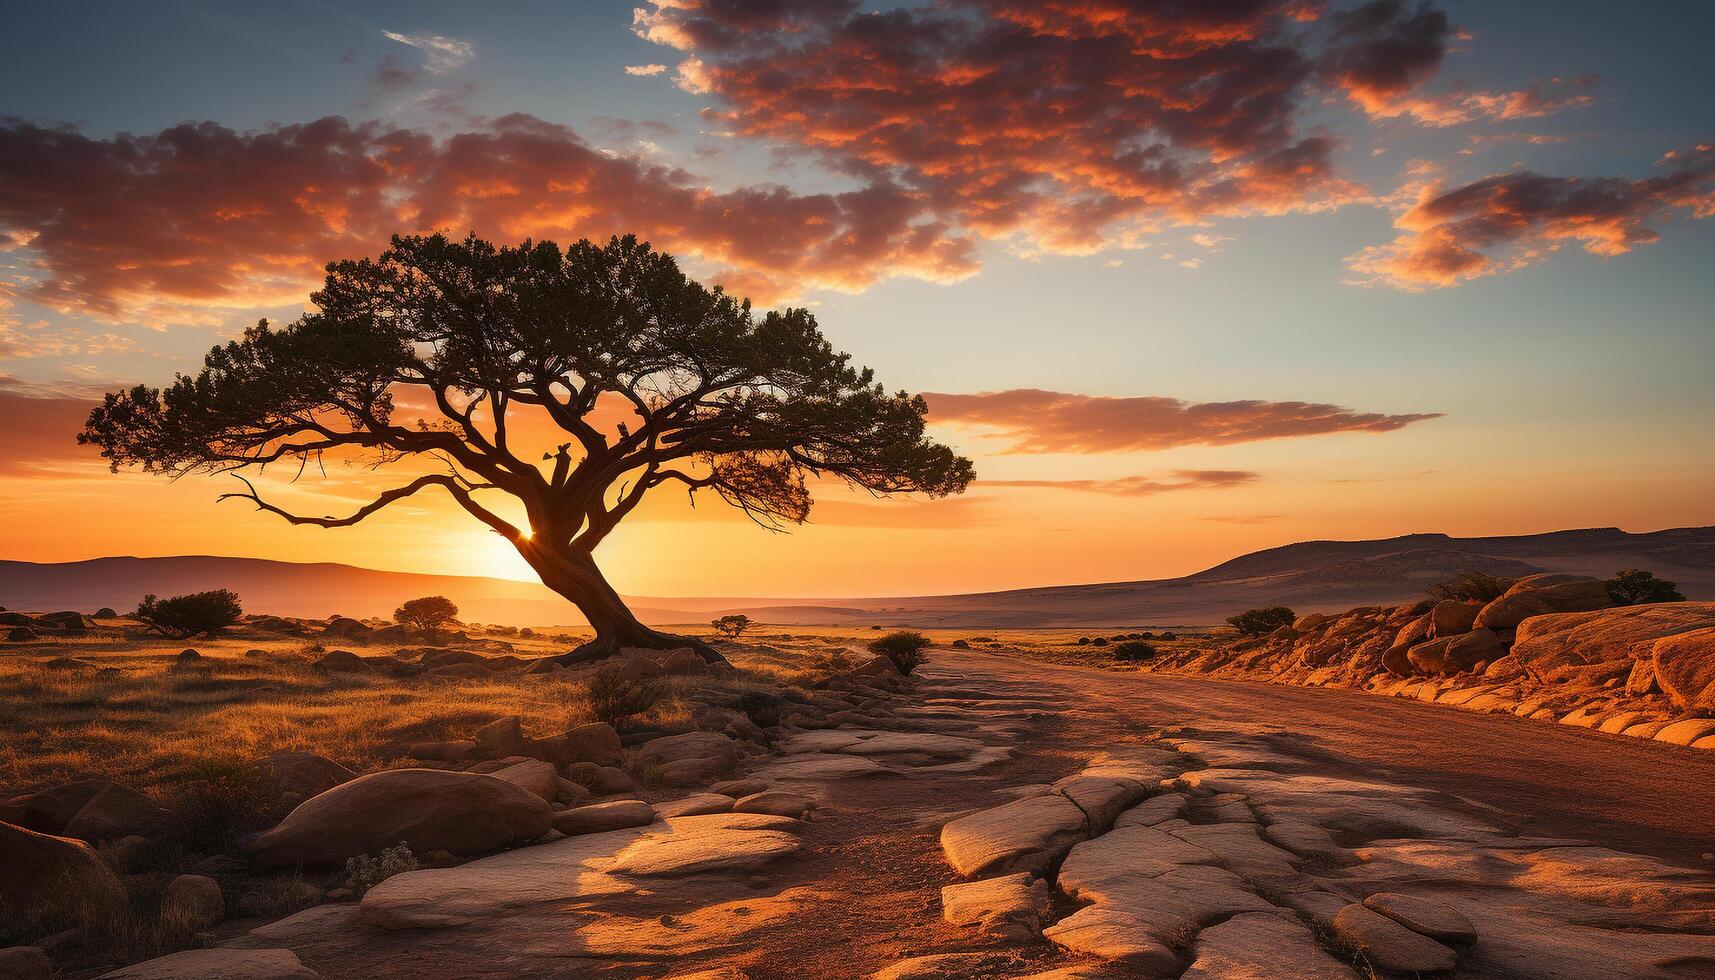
x,y
1548,780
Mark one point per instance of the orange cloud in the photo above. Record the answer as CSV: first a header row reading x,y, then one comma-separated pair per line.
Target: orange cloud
x,y
1038,421
1507,221
201,215
1140,486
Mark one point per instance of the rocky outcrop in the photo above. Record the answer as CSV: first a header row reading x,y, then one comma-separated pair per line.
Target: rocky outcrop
x,y
427,809
1538,595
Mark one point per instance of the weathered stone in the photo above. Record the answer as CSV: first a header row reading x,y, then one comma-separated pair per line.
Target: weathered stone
x,y
501,738
715,842
1388,945
194,900
1152,811
1451,617
1024,835
455,751
1011,906
1536,595
1100,797
1455,654
293,777
48,878
1262,946
220,963
601,817
1424,916
1686,732
1609,636
693,772
691,745
25,963
736,788
1684,666
695,805
1114,935
778,802
595,742
119,811
428,809
538,777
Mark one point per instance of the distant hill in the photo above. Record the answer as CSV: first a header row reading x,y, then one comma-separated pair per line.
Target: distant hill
x,y
1309,576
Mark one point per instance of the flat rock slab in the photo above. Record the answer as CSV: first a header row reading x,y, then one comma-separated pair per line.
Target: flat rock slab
x,y
715,842
601,817
1262,946
1011,906
697,804
819,765
1425,916
1024,835
1388,945
1102,797
1114,935
219,964
1152,811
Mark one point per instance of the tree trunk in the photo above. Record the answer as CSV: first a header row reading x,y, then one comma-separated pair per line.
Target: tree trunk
x,y
574,575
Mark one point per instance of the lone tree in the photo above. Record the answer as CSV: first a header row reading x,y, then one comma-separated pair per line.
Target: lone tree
x,y
1635,586
1256,622
732,627
427,614
184,616
655,378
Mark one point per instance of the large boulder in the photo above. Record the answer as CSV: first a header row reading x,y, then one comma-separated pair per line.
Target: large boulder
x,y
48,811
291,778
427,809
1537,595
540,778
1025,835
691,745
119,811
1455,654
600,817
1684,668
501,738
49,880
1606,636
595,742
1451,617
195,901
220,963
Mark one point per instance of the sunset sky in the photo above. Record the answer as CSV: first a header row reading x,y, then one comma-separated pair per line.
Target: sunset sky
x,y
1184,279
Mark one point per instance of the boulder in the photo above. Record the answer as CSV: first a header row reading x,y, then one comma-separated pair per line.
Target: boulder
x,y
569,793
456,751
601,780
691,745
1024,835
48,811
50,878
25,963
195,901
119,811
346,627
695,805
538,777
1683,666
1388,945
1537,595
595,742
1262,944
600,817
1455,654
1450,617
1621,635
293,777
501,738
342,662
427,809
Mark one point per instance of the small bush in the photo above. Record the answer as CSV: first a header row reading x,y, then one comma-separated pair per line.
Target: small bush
x,y
219,804
732,627
1083,641
762,708
1634,587
1257,622
1100,641
427,614
961,644
1164,635
365,872
616,700
1471,587
1134,650
903,647
184,616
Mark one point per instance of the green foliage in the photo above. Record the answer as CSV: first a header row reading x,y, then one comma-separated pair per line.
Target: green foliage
x,y
197,614
427,614
1134,650
1634,587
1471,587
616,699
1258,622
903,647
365,871
732,627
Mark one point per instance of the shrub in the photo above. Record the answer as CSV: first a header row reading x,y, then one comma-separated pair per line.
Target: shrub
x,y
732,627
1634,587
762,708
1257,622
219,804
1083,641
616,700
903,647
1134,650
1100,641
1471,587
365,872
1164,635
428,613
961,644
197,614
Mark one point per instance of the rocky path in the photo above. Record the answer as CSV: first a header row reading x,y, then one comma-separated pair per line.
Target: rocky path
x,y
1017,819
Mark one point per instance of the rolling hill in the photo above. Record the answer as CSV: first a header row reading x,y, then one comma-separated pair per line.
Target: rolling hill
x,y
1308,576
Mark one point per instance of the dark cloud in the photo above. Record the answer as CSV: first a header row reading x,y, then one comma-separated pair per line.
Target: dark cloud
x,y
1037,421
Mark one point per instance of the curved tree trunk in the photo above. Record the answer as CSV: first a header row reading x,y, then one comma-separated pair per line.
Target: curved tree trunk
x,y
574,575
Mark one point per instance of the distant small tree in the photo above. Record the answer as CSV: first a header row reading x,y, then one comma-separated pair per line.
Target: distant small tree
x,y
1471,587
903,647
1257,622
185,616
1634,587
428,613
732,627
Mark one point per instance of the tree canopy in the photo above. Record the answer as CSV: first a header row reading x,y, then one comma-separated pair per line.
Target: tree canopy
x,y
468,335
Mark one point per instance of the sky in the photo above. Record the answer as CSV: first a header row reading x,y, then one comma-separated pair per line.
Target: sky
x,y
1184,280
